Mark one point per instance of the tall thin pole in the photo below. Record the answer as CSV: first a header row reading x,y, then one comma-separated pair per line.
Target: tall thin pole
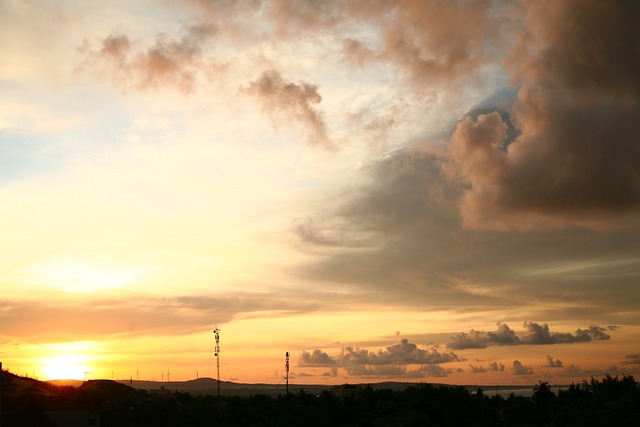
x,y
286,370
216,332
1,393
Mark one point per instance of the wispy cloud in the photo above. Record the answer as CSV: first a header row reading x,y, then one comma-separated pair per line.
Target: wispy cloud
x,y
631,359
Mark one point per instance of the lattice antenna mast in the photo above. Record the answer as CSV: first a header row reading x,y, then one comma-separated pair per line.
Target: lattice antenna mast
x,y
216,353
286,370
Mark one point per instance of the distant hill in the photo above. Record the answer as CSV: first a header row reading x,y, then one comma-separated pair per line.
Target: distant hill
x,y
209,386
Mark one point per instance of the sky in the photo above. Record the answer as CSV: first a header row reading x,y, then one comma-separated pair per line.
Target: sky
x,y
423,191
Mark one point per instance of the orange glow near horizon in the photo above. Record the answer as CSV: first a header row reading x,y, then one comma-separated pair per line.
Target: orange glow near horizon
x,y
66,361
67,367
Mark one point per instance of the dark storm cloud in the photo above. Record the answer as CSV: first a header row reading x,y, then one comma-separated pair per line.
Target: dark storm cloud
x,y
578,114
283,100
407,214
534,334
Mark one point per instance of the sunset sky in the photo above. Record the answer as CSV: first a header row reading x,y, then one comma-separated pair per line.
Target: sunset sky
x,y
426,191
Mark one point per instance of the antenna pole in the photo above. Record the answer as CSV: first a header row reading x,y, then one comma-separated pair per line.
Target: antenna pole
x,y
286,370
216,332
1,374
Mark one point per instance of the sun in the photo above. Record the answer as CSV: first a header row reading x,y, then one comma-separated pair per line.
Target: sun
x,y
66,367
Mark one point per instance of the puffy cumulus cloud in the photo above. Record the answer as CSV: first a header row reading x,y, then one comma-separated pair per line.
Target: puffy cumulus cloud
x,y
404,353
551,363
417,36
480,339
175,62
534,334
574,162
496,366
493,366
316,358
477,369
285,100
520,369
540,334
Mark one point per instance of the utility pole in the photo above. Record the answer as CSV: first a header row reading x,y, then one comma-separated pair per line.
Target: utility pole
x,y
286,370
216,353
1,374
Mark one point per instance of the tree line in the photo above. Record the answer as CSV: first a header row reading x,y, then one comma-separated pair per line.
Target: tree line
x,y
607,401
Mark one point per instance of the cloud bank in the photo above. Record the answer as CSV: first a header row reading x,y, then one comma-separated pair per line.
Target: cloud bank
x,y
392,361
534,334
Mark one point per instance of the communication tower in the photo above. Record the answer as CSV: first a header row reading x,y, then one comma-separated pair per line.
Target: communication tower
x,y
286,370
216,353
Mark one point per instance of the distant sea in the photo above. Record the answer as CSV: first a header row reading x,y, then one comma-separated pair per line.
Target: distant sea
x,y
505,391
